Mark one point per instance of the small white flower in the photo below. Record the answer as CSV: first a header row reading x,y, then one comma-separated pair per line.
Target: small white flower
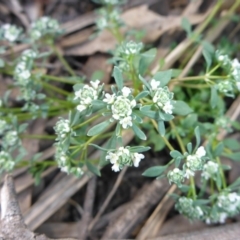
x,y
189,173
115,167
133,103
95,84
124,150
126,91
222,217
126,122
168,107
85,95
109,99
137,157
25,74
154,84
201,152
113,157
235,63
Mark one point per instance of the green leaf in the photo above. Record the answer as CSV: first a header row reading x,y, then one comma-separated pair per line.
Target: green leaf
x,y
98,147
189,147
93,168
145,60
150,114
234,156
218,150
198,137
165,117
181,108
141,95
74,117
186,25
77,86
154,171
164,77
139,132
139,149
117,74
232,144
175,154
144,82
214,97
22,127
235,184
208,52
98,128
161,128
98,104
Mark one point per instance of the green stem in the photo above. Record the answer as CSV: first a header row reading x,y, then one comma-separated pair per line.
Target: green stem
x,y
197,86
168,144
193,188
222,173
59,79
37,136
56,89
213,70
87,121
180,142
63,61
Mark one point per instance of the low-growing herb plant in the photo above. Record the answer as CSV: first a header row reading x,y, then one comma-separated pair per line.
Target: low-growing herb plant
x,y
159,108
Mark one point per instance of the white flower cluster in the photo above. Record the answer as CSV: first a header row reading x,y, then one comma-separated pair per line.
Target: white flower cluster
x,y
44,26
131,48
209,170
10,32
87,94
109,20
186,207
225,87
224,123
194,162
223,59
227,205
6,161
234,67
121,106
123,157
176,176
22,72
162,97
64,163
236,72
229,202
10,137
3,126
62,128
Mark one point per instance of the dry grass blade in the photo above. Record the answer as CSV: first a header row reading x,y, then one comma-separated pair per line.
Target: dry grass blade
x,y
229,232
108,199
88,207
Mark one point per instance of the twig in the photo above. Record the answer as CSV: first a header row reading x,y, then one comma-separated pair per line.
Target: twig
x,y
88,207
